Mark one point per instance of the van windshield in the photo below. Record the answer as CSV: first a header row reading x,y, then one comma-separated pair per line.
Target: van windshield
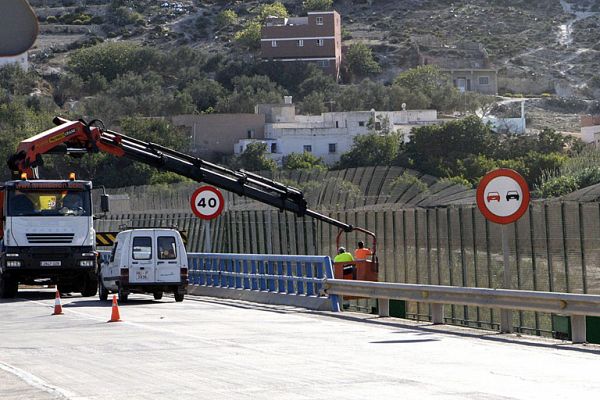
x,y
49,203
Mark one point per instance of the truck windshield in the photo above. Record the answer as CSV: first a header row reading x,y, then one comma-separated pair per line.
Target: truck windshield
x,y
49,203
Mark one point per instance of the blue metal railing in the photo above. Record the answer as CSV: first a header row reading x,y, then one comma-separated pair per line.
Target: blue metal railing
x,y
281,274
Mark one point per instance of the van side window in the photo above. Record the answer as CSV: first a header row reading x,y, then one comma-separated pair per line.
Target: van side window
x,y
166,248
113,252
142,248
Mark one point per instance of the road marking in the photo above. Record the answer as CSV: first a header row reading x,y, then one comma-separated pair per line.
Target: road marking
x,y
135,324
39,383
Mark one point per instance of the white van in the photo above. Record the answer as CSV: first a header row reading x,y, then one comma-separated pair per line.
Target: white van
x,y
145,261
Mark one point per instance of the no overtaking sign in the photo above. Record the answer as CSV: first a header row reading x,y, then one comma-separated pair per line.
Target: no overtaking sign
x,y
503,196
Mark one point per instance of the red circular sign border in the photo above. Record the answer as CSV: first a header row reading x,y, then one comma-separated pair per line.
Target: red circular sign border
x,y
480,196
204,189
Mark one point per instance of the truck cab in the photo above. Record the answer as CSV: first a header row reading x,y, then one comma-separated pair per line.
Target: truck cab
x,y
145,261
48,236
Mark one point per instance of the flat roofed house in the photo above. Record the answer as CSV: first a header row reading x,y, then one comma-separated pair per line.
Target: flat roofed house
x,y
316,38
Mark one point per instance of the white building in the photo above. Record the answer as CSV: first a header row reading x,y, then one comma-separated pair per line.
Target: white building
x,y
329,135
517,125
20,59
590,129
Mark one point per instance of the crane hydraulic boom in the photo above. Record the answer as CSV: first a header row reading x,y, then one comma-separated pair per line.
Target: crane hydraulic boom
x,y
80,137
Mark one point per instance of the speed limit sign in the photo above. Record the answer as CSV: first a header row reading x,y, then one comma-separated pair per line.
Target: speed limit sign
x,y
207,202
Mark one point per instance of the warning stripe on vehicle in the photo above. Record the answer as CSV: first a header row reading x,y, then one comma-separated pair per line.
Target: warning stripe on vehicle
x,y
105,238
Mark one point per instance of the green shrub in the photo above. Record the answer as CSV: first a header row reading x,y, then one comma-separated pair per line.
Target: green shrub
x,y
407,179
226,18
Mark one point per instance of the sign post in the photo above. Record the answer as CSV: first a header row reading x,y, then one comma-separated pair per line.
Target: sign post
x,y
207,203
503,198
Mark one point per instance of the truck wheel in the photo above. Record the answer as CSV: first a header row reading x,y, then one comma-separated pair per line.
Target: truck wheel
x,y
123,295
64,288
9,287
178,297
90,286
102,291
158,295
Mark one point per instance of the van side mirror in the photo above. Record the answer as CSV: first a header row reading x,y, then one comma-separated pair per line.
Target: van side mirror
x,y
104,203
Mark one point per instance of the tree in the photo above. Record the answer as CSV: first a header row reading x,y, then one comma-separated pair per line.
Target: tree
x,y
359,60
432,83
275,9
317,81
425,79
399,95
249,36
313,104
154,130
226,18
249,91
317,5
371,149
254,158
439,149
112,59
205,93
17,81
304,160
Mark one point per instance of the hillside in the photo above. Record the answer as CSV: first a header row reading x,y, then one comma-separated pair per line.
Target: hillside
x,y
539,46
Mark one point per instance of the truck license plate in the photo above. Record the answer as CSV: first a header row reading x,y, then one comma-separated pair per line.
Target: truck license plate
x,y
141,275
50,263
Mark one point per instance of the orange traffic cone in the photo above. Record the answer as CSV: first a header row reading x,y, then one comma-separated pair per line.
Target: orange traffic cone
x,y
115,317
57,306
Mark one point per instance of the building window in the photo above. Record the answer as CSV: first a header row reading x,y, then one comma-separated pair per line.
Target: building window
x,y
319,20
484,80
361,123
307,148
332,147
337,124
273,147
273,43
320,42
301,43
377,126
323,63
250,133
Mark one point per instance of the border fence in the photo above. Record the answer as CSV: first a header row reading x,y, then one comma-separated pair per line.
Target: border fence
x,y
554,247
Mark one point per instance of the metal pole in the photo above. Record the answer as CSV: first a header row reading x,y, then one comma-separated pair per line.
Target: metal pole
x,y
506,315
207,236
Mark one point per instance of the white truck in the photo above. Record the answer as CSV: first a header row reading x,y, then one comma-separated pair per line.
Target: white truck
x,y
145,261
48,236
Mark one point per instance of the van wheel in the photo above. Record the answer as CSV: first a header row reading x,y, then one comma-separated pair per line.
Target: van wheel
x,y
158,295
102,291
123,295
178,297
9,287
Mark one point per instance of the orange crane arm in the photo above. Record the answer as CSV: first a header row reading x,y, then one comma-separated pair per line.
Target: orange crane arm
x,y
69,137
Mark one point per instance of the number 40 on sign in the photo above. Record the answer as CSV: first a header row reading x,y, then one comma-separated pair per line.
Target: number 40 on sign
x,y
207,202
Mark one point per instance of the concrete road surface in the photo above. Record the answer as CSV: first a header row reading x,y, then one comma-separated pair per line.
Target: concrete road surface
x,y
213,349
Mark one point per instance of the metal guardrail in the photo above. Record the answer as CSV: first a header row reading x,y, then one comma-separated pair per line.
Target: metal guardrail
x,y
578,306
279,275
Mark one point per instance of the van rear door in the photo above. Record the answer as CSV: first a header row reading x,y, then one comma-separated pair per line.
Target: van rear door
x,y
143,257
168,262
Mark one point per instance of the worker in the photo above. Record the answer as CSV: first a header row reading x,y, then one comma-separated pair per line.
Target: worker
x,y
362,252
343,256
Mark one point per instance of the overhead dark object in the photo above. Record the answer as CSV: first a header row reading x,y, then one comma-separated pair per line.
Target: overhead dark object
x,y
18,27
